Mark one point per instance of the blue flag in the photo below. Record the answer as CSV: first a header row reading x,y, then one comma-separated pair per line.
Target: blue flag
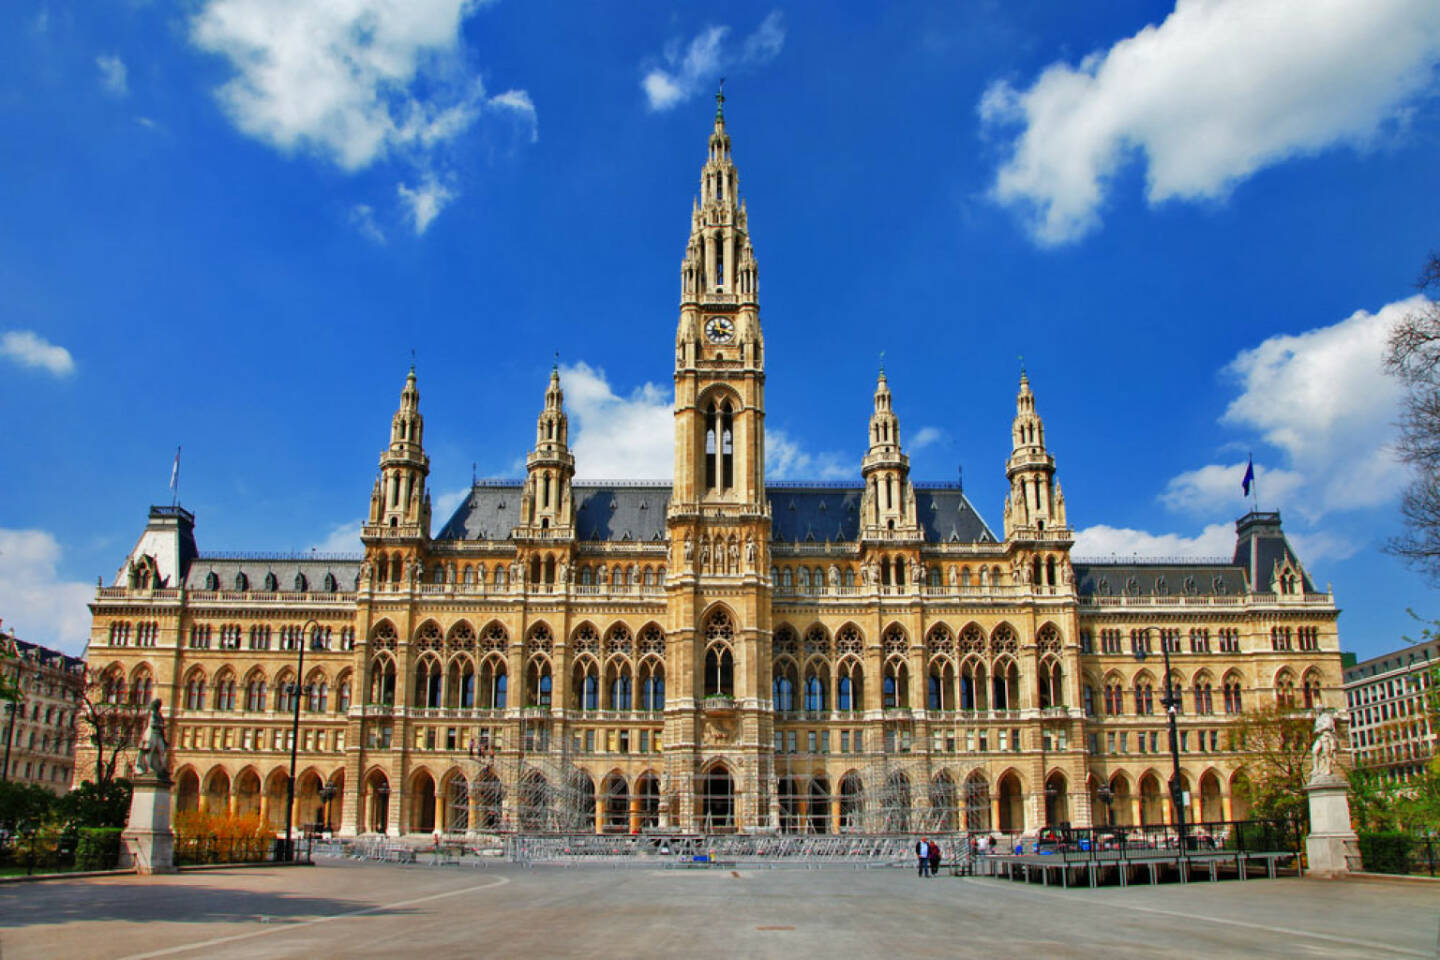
x,y
1249,477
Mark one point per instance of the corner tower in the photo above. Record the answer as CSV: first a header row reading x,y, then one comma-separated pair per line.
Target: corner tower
x,y
399,502
547,509
719,351
887,508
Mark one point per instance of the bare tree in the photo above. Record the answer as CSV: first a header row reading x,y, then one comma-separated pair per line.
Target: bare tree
x,y
112,722
1413,357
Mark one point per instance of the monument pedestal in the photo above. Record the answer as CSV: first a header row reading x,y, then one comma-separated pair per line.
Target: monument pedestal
x,y
148,844
1332,848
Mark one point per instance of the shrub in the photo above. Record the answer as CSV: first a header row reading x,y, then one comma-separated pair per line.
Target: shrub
x,y
221,838
98,848
1387,852
90,805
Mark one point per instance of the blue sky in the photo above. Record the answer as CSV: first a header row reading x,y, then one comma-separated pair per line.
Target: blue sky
x,y
228,222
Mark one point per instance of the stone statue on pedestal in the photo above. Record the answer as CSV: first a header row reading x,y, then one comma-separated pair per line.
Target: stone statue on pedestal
x,y
1325,747
152,758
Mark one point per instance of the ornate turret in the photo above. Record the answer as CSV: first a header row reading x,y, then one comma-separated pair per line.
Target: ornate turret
x,y
399,501
1035,507
546,507
887,508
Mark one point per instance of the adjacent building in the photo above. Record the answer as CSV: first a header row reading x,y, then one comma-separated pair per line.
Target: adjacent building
x,y
718,652
1392,704
40,729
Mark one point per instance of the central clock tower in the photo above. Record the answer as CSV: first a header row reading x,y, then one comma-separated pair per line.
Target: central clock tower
x,y
719,352
718,726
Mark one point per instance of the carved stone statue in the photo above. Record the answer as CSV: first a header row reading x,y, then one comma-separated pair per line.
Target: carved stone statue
x,y
750,550
152,756
1069,575
705,556
734,557
1325,747
834,576
563,573
689,548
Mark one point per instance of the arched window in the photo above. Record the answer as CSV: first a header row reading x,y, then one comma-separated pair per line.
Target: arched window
x,y
1204,699
784,686
652,685
895,685
719,661
1144,697
494,684
1312,691
1232,696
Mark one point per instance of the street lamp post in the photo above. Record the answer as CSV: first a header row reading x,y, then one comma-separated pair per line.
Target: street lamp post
x,y
1171,702
297,689
327,793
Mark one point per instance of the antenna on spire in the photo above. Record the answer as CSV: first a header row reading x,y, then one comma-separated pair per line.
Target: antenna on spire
x,y
720,101
473,478
1021,357
882,363
557,361
412,359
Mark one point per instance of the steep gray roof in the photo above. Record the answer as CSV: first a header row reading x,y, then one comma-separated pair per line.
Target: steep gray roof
x,y
314,567
632,512
636,513
1140,579
816,513
1260,544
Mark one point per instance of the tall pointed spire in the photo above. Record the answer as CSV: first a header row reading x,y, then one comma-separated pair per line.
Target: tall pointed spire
x,y
546,506
1035,506
399,500
887,508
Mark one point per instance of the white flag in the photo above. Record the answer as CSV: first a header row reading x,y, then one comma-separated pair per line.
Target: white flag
x,y
175,471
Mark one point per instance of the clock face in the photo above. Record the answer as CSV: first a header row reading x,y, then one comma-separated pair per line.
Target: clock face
x,y
720,329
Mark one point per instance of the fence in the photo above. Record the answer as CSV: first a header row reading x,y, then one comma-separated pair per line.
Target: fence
x,y
1076,844
204,851
1400,853
806,851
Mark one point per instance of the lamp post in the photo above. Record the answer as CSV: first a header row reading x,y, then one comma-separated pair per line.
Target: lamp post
x,y
1171,702
1105,795
296,690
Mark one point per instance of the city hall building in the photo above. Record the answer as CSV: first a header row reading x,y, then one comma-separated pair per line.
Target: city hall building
x,y
715,653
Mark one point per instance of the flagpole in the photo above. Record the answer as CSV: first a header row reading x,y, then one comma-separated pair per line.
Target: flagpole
x,y
175,479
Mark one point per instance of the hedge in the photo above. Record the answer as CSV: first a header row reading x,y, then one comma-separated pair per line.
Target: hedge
x,y
98,848
1387,852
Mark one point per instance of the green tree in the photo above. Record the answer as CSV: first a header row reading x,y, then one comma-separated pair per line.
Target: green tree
x,y
95,805
24,803
1276,742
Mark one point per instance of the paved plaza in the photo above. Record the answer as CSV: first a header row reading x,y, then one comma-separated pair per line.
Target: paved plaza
x,y
340,909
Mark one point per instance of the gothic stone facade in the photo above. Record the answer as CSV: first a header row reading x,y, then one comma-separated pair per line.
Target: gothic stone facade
x,y
716,653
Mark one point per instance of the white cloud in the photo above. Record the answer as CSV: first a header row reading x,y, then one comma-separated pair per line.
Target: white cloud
x,y
632,437
787,460
694,67
1219,90
615,437
113,75
40,606
1324,399
1104,542
354,81
423,203
925,437
519,102
1216,488
335,76
29,349
444,504
342,538
362,218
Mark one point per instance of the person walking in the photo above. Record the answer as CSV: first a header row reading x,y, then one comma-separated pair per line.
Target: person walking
x,y
922,854
934,859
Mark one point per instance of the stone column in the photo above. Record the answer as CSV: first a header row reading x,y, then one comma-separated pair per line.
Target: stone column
x,y
835,814
1332,847
147,844
634,814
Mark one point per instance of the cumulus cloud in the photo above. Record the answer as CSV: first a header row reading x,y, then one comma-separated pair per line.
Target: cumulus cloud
x,y
29,349
353,81
1219,90
1323,398
113,78
687,69
613,436
1216,488
424,202
444,504
41,607
787,460
1104,542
